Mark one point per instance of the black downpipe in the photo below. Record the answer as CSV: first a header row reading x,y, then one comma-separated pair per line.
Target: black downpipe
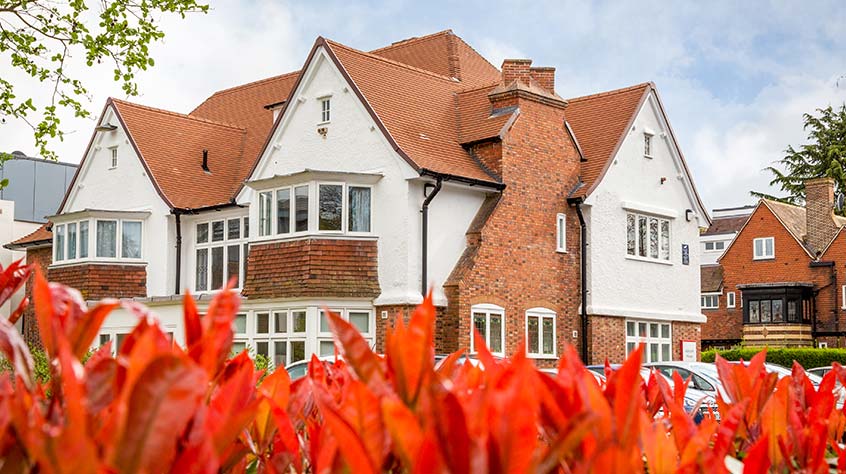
x,y
583,244
425,233
178,253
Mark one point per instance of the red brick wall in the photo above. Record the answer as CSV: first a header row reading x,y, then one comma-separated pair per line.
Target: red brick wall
x,y
98,281
830,313
404,312
686,332
516,265
791,264
42,257
607,339
313,268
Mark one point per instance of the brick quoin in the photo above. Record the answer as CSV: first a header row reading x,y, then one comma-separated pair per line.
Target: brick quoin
x,y
319,268
98,281
512,260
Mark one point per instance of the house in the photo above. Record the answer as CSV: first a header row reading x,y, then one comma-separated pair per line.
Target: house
x,y
35,188
781,281
366,178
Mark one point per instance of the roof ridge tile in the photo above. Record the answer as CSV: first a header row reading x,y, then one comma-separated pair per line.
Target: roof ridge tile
x,y
391,61
176,114
412,40
611,92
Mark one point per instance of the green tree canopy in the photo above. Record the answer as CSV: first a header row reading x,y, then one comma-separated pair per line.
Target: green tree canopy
x,y
824,155
44,38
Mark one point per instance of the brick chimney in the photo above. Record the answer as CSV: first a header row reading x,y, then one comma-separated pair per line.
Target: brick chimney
x,y
819,213
516,69
545,77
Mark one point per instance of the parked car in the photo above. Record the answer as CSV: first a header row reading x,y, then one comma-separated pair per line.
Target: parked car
x,y
299,369
703,376
819,371
600,378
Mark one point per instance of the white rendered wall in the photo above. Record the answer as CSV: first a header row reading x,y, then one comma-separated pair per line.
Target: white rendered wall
x,y
127,188
710,257
11,230
626,287
355,144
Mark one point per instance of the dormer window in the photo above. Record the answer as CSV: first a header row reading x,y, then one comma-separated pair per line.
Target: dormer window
x,y
647,145
113,151
325,109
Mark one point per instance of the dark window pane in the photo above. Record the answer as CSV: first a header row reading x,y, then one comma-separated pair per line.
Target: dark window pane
x,y
59,246
496,333
298,321
283,211
216,268
359,201
233,263
130,240
83,239
301,208
641,237
217,231
262,323
778,311
202,277
233,229
766,311
107,239
72,240
280,354
479,323
630,234
330,211
280,321
754,312
202,233
263,348
548,335
297,351
791,311
246,227
361,320
104,338
653,237
246,261
533,335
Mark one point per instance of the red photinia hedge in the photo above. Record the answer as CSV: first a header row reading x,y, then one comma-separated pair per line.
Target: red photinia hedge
x,y
157,407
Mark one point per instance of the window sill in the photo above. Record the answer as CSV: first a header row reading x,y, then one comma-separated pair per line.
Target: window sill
x,y
560,250
648,260
709,309
311,235
97,262
649,157
542,356
756,259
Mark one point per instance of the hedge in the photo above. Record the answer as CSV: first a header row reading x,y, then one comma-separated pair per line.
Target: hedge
x,y
807,357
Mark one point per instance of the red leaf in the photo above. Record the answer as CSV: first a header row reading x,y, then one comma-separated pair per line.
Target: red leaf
x,y
233,402
193,326
757,459
403,428
350,445
162,402
410,351
367,365
12,278
15,350
87,328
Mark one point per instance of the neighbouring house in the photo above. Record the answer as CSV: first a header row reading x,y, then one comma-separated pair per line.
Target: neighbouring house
x,y
725,224
366,178
781,281
36,187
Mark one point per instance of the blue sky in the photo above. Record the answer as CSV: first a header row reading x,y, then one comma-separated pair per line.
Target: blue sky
x,y
735,76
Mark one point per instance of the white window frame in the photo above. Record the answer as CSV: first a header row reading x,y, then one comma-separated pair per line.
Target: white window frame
x,y
113,157
313,211
541,314
209,244
647,144
561,233
730,299
488,310
325,109
632,341
763,255
843,297
709,296
649,217
91,247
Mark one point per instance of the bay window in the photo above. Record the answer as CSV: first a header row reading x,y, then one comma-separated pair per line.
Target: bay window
x,y
220,253
114,239
647,237
334,208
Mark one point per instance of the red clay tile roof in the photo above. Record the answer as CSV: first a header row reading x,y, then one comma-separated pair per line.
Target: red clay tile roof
x,y
445,54
39,235
711,278
600,122
172,145
475,120
726,225
417,108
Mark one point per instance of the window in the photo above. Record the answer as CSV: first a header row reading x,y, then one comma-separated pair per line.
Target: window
x,y
113,151
654,335
715,246
764,248
221,254
358,318
647,237
83,239
106,239
843,297
647,145
561,233
325,108
730,299
540,333
71,240
710,301
340,208
59,253
130,243
489,321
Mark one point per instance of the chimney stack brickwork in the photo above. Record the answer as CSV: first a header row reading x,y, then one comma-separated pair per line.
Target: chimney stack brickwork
x,y
516,69
545,77
819,213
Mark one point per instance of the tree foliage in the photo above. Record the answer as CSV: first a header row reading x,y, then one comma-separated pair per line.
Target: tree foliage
x,y
824,155
46,39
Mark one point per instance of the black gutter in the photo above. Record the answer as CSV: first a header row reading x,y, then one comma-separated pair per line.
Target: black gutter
x,y
178,289
197,210
425,234
583,252
461,179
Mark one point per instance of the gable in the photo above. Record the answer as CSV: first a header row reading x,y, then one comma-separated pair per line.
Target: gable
x,y
127,186
763,222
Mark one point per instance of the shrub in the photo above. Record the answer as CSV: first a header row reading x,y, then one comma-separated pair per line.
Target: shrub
x,y
806,356
157,407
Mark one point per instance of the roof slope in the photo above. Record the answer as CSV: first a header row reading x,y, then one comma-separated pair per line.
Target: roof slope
x,y
40,235
418,110
476,120
711,278
726,225
445,54
600,122
172,145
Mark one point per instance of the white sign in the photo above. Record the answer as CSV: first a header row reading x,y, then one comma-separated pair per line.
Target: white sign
x,y
688,351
